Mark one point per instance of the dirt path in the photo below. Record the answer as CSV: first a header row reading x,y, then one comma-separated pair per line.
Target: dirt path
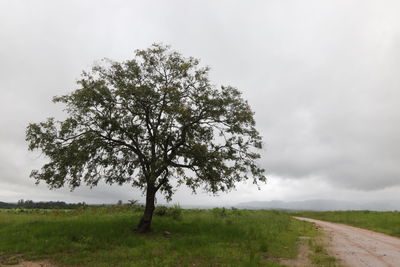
x,y
360,247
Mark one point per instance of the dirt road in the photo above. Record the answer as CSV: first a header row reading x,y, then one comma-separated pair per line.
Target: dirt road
x,y
360,247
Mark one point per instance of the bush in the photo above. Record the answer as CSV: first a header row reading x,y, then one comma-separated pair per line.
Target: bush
x,y
160,211
174,212
219,212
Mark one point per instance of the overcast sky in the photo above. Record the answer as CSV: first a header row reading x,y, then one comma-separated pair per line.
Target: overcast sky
x,y
322,77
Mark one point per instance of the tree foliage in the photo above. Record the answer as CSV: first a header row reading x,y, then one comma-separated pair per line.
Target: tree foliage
x,y
149,121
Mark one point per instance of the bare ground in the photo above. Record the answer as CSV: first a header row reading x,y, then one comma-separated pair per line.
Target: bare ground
x,y
34,264
17,261
360,247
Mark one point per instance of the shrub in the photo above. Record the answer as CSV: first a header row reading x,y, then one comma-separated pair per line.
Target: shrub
x,y
160,211
174,212
219,212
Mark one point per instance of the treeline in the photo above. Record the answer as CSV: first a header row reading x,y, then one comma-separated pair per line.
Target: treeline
x,y
29,204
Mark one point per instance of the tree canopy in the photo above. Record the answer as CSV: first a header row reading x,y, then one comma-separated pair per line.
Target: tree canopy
x,y
148,122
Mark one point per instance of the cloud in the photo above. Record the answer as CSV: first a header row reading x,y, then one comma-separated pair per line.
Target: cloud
x,y
321,77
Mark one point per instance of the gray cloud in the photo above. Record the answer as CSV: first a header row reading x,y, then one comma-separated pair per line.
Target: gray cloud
x,y
320,75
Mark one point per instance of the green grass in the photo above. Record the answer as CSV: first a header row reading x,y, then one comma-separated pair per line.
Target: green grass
x,y
384,222
319,255
104,236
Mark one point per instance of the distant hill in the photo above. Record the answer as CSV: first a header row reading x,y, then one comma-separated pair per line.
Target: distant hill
x,y
4,205
29,204
317,205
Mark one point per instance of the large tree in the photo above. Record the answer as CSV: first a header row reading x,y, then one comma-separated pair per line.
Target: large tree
x,y
153,122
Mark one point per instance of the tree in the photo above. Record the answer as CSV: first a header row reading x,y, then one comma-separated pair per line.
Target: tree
x,y
21,203
152,121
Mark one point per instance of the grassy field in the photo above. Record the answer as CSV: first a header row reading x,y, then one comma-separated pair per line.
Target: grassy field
x,y
103,236
384,222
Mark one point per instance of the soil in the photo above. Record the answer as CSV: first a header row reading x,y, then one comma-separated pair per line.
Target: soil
x,y
359,247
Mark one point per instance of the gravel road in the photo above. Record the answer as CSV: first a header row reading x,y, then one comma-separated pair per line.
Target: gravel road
x,y
360,247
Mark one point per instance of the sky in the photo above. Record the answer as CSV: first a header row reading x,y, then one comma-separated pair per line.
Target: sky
x,y
321,76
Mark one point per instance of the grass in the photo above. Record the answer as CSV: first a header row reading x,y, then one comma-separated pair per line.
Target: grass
x,y
103,236
319,255
384,222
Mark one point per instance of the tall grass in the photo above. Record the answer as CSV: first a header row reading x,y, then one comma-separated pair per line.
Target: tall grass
x,y
104,236
384,222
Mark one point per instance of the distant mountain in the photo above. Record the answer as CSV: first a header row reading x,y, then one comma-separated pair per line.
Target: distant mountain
x,y
29,204
5,205
317,205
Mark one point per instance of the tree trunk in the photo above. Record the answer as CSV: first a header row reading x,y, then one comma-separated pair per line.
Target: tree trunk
x,y
145,222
